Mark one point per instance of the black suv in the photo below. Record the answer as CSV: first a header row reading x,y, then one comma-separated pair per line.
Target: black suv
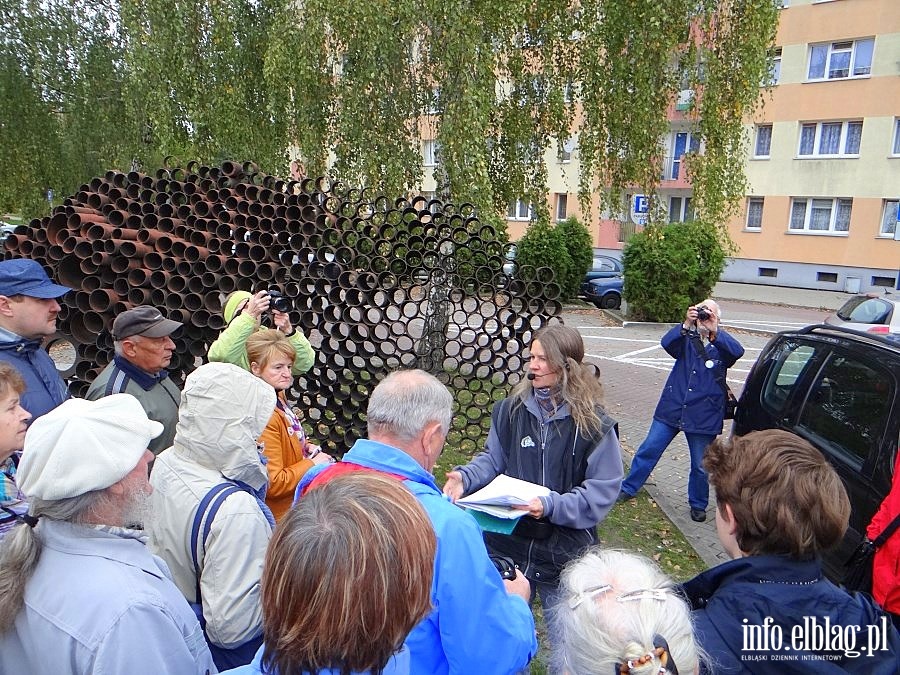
x,y
840,390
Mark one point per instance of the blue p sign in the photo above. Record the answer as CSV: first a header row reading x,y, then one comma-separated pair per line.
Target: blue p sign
x,y
641,204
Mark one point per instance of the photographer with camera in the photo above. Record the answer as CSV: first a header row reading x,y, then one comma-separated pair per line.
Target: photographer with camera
x,y
693,401
244,315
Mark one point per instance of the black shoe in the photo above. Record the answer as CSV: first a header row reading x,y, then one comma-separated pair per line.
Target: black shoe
x,y
623,496
698,515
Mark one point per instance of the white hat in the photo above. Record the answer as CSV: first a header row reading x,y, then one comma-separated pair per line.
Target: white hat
x,y
83,445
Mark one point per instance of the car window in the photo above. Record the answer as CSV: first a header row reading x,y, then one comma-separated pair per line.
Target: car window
x,y
865,310
791,360
848,407
604,265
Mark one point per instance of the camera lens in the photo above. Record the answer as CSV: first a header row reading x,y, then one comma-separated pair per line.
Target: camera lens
x,y
278,302
703,314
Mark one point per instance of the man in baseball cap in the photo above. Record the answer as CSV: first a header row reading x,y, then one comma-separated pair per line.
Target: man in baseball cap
x,y
98,600
143,348
28,311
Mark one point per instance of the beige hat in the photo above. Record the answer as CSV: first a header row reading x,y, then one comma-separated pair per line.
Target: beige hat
x,y
82,446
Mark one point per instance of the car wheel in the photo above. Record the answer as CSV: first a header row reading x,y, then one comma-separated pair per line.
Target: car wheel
x,y
611,301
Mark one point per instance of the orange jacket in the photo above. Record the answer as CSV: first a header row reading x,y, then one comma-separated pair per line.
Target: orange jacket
x,y
886,567
286,463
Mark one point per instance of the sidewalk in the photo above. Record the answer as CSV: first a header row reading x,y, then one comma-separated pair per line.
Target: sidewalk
x,y
780,295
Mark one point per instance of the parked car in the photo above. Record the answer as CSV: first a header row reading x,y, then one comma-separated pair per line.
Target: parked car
x,y
605,293
869,312
839,389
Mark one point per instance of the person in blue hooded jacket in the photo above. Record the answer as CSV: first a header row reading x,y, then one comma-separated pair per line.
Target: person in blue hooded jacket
x,y
693,401
480,623
771,610
28,311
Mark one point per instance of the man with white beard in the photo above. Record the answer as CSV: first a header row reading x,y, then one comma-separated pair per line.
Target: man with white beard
x,y
79,590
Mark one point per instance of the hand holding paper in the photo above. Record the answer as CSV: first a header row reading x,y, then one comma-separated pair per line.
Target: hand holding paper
x,y
506,497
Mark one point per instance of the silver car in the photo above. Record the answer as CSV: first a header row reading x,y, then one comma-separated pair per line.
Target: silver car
x,y
870,313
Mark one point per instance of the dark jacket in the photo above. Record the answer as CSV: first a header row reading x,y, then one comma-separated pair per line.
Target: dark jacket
x,y
584,473
693,399
158,395
44,388
794,597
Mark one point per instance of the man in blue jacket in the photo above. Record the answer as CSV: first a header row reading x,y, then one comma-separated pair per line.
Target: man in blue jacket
x,y
693,401
477,625
28,311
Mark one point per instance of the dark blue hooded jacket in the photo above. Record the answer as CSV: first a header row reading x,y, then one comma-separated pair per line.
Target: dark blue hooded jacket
x,y
44,388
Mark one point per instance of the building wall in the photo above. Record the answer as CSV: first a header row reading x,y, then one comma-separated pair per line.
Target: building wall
x,y
869,179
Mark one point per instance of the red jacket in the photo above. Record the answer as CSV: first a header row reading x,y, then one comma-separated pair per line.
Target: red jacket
x,y
886,568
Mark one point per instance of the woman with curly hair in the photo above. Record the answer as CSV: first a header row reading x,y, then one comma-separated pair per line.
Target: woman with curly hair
x,y
554,431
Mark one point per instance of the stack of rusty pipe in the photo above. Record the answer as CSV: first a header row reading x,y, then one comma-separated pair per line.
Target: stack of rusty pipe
x,y
376,284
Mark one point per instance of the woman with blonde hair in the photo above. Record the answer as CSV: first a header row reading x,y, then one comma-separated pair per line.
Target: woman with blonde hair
x,y
288,453
552,430
347,575
618,613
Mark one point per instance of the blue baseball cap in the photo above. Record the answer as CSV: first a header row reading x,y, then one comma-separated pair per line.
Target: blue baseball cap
x,y
23,276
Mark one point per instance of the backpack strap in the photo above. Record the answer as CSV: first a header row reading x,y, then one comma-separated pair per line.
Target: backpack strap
x,y
206,513
892,527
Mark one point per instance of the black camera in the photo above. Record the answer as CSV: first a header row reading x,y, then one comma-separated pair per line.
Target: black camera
x,y
504,565
278,302
703,313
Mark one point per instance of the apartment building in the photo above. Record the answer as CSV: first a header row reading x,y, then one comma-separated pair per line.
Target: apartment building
x,y
823,161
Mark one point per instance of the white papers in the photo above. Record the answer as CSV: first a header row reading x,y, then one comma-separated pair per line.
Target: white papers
x,y
498,497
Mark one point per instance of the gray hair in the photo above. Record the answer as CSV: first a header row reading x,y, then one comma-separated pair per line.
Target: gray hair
x,y
21,549
405,401
612,605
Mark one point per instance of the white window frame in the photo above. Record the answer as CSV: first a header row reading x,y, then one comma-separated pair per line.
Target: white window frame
x,y
565,150
562,206
888,229
833,48
431,152
895,146
752,201
520,211
811,204
817,128
760,128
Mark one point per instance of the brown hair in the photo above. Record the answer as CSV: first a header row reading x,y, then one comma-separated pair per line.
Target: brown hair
x,y
785,497
347,575
579,382
10,380
266,344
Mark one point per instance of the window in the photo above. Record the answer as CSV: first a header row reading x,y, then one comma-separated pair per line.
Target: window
x,y
433,106
754,213
763,140
896,149
791,360
519,210
830,139
839,60
431,153
567,92
680,209
820,215
683,143
848,407
781,4
775,70
889,219
565,151
562,205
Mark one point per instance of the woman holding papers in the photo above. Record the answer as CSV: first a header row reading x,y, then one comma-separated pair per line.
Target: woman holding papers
x,y
553,431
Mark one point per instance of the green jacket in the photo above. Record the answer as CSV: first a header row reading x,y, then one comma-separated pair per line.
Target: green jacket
x,y
231,345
